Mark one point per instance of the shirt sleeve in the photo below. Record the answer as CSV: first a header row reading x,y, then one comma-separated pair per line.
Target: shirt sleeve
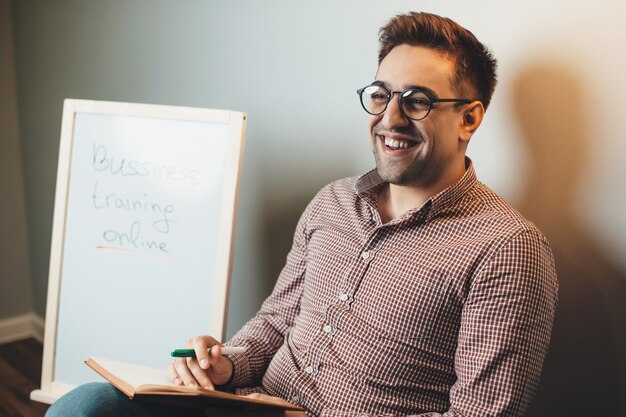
x,y
264,334
505,330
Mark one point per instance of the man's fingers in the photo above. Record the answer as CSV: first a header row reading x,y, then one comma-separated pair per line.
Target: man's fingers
x,y
171,371
199,374
180,365
187,372
201,345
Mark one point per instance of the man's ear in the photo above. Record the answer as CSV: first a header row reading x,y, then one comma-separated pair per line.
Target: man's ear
x,y
472,118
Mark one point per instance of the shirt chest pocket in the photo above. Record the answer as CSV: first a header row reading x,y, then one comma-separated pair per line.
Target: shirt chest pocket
x,y
408,301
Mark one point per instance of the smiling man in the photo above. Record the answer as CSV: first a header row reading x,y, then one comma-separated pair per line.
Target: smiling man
x,y
411,290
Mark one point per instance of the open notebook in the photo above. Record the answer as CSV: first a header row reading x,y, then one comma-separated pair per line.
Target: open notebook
x,y
153,384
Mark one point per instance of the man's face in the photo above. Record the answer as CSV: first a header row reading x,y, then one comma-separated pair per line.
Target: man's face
x,y
420,153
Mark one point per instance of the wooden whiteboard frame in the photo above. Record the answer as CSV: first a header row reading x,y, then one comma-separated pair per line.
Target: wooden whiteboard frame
x,y
50,389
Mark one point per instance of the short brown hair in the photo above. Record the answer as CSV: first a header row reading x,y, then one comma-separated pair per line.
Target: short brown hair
x,y
474,65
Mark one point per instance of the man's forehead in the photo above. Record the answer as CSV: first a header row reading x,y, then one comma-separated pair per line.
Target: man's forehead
x,y
409,66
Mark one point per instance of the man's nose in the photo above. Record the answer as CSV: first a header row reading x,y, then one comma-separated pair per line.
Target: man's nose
x,y
394,116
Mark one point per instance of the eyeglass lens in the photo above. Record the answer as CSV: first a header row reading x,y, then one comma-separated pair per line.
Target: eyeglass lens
x,y
415,104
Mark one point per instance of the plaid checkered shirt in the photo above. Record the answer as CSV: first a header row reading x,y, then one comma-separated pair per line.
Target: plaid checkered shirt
x,y
447,309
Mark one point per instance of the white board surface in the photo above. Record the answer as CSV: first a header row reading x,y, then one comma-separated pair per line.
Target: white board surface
x,y
142,234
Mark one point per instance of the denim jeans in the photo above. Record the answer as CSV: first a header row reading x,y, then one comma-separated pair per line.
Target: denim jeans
x,y
101,399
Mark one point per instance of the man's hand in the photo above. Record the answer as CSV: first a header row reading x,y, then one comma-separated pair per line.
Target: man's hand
x,y
207,369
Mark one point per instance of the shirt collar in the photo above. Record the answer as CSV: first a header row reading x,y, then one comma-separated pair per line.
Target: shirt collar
x,y
368,181
451,195
366,185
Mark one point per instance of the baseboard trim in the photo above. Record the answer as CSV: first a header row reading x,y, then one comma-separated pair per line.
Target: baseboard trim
x,y
21,327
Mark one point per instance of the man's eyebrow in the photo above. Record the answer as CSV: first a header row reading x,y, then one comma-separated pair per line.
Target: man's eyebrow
x,y
429,92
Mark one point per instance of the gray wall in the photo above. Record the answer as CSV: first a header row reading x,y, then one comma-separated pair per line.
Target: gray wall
x,y
15,280
552,142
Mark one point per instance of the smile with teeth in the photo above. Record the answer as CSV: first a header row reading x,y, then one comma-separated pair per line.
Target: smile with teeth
x,y
398,144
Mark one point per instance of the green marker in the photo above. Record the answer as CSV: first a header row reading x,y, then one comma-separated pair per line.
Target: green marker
x,y
190,353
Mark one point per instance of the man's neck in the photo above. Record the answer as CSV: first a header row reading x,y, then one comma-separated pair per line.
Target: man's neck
x,y
395,200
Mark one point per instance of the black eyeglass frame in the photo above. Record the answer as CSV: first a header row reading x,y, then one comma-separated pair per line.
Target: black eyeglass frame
x,y
401,95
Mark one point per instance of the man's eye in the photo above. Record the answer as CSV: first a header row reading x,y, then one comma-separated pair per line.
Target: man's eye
x,y
379,96
416,102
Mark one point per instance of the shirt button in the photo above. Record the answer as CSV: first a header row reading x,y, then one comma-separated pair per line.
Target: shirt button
x,y
365,255
309,370
295,399
328,328
343,296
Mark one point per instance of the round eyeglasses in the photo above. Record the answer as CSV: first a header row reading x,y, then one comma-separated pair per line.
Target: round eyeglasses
x,y
414,103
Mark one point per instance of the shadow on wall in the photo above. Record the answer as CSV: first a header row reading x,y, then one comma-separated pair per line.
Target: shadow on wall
x,y
279,212
279,224
584,370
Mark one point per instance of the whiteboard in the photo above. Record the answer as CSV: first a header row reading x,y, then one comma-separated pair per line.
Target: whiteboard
x,y
142,235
